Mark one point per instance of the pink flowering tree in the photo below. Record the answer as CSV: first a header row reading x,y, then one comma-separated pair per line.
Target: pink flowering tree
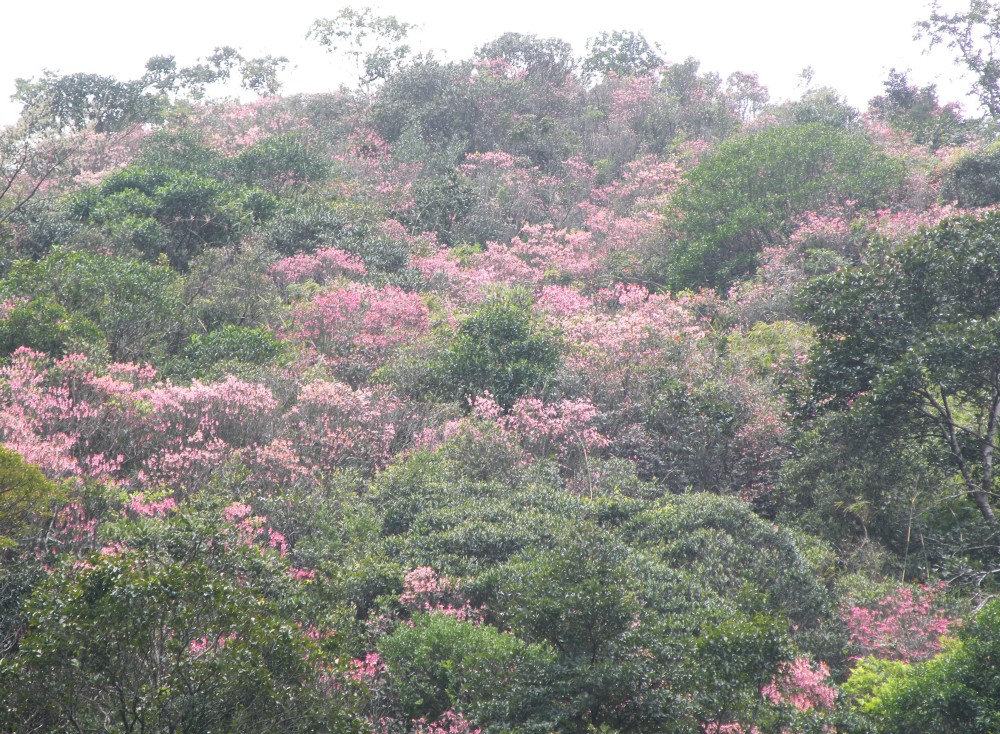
x,y
69,417
450,722
564,431
905,625
803,685
323,266
192,431
355,328
335,426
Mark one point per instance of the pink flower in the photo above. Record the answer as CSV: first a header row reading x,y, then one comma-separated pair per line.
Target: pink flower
x,y
802,685
904,625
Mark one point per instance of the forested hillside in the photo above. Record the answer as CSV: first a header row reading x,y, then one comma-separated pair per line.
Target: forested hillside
x,y
525,393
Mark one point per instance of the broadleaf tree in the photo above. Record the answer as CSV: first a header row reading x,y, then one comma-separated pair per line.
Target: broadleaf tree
x,y
913,335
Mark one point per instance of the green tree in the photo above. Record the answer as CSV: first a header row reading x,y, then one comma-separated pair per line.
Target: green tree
x,y
864,488
973,35
166,637
529,97
377,43
823,106
539,59
745,193
166,211
973,179
185,149
500,349
78,101
46,326
621,53
432,101
280,162
30,158
913,335
135,305
230,285
916,110
229,350
442,663
25,496
746,561
615,665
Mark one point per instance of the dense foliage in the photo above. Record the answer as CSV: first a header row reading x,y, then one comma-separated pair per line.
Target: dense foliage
x,y
372,411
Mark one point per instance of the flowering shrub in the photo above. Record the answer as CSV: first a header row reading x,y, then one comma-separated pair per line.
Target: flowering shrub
x,y
617,353
142,507
564,430
714,727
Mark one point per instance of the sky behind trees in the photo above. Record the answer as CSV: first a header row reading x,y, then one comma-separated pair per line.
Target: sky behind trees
x,y
851,45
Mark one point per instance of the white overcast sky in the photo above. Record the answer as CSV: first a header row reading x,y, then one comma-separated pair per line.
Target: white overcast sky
x,y
851,44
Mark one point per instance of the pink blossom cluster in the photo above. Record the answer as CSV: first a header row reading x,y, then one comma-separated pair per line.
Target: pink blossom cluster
x,y
8,305
368,668
254,530
450,722
569,253
802,685
760,444
80,158
274,466
509,191
305,575
236,126
623,344
139,505
232,411
499,68
65,416
564,429
336,426
906,624
499,160
203,645
322,266
74,419
714,727
898,226
646,183
616,353
472,280
562,302
74,528
355,328
831,231
188,432
631,99
560,229
434,436
369,173
769,295
426,591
